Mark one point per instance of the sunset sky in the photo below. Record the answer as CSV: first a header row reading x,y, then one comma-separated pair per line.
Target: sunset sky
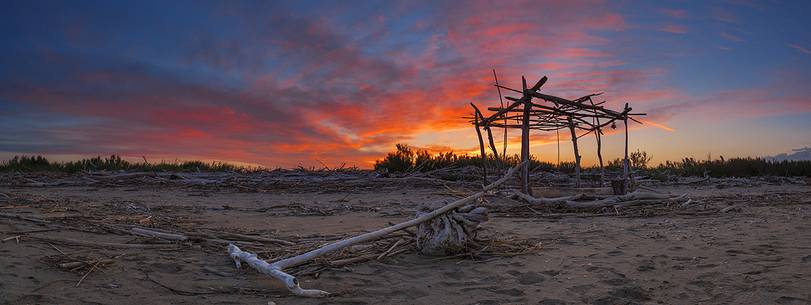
x,y
294,83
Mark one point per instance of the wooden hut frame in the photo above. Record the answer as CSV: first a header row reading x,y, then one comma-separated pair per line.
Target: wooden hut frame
x,y
539,111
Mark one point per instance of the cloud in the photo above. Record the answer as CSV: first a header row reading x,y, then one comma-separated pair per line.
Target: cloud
x,y
674,13
675,29
799,48
278,86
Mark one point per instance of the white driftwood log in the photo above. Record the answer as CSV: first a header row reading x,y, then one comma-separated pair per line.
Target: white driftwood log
x,y
276,268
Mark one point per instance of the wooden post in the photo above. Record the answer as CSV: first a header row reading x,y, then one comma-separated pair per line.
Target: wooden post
x,y
492,143
481,147
576,153
489,133
625,162
557,133
525,141
501,100
600,154
598,133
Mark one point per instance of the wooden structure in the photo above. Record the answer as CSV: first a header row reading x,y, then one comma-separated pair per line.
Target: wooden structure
x,y
534,110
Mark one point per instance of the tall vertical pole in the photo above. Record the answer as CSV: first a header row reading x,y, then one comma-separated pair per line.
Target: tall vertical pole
x,y
625,165
557,133
481,147
504,143
576,153
525,140
598,133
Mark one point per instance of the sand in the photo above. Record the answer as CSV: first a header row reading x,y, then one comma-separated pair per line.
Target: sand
x,y
757,252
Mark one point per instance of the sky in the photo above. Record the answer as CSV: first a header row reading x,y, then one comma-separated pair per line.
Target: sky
x,y
283,84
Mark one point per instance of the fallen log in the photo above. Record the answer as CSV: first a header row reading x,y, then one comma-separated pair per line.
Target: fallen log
x,y
540,200
275,269
630,199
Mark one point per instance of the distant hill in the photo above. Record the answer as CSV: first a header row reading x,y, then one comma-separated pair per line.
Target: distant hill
x,y
798,154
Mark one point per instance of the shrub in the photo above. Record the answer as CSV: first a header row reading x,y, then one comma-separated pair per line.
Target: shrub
x,y
112,163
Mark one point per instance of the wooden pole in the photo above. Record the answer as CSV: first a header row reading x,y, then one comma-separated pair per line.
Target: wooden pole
x,y
481,147
576,153
525,141
276,269
492,143
600,155
598,133
500,99
557,133
625,162
489,133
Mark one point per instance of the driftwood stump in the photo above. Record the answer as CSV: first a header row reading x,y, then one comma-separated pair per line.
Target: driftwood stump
x,y
450,233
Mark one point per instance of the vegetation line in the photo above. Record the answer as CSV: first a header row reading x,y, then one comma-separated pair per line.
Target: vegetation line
x,y
406,159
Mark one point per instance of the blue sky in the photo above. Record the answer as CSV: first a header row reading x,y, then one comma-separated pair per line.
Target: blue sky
x,y
288,83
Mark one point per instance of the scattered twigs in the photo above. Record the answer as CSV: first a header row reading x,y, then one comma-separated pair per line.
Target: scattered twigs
x,y
77,242
158,234
26,218
88,273
16,238
352,260
382,255
275,269
258,238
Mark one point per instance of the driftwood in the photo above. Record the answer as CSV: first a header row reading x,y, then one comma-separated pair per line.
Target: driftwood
x,y
158,234
276,268
551,113
450,233
481,148
631,199
78,242
541,200
525,139
576,152
21,217
214,238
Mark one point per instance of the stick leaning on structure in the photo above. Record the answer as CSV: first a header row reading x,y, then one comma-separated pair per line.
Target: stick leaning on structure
x,y
276,269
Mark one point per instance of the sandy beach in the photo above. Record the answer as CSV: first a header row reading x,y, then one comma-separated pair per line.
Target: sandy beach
x,y
754,252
